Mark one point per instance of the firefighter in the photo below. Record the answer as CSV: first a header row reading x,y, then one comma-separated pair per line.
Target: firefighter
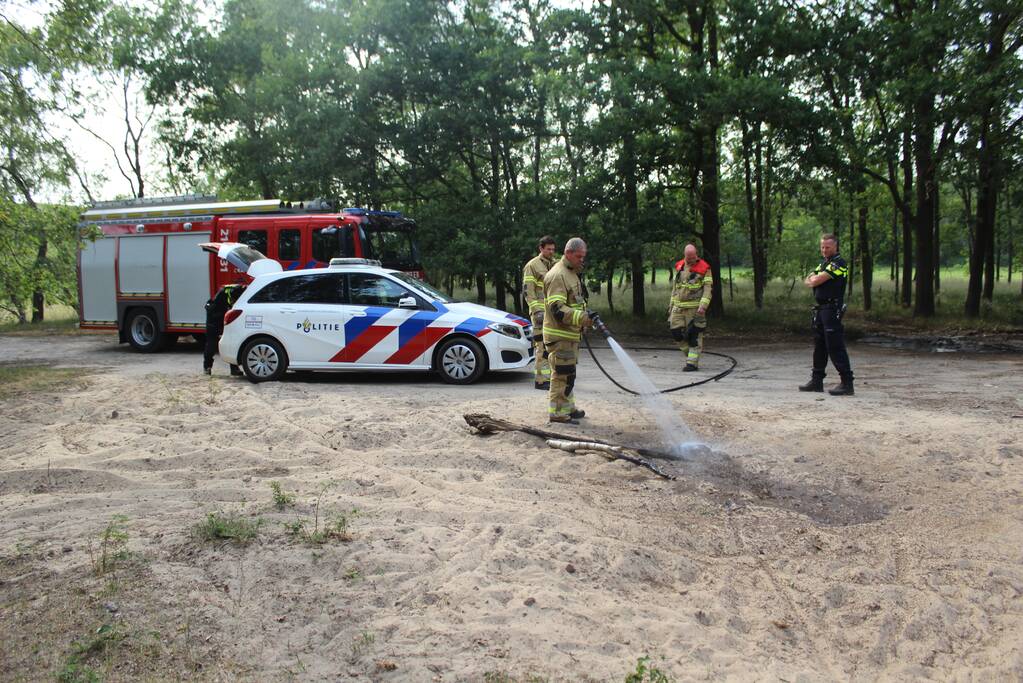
x,y
532,285
216,307
828,282
687,313
565,318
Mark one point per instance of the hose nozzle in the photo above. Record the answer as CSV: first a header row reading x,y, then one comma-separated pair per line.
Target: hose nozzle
x,y
598,323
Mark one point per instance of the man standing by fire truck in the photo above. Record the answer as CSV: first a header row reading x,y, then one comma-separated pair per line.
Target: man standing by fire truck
x,y
690,298
215,309
565,318
532,284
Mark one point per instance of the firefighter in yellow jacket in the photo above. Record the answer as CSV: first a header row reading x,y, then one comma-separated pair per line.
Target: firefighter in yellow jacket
x,y
565,318
532,284
690,298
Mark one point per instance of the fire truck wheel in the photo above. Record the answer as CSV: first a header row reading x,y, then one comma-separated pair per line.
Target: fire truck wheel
x,y
263,359
144,333
461,361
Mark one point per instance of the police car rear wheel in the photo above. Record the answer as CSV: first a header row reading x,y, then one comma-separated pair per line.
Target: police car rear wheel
x,y
460,361
264,360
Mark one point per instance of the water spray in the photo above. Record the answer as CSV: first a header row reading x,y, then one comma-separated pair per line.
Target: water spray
x,y
678,438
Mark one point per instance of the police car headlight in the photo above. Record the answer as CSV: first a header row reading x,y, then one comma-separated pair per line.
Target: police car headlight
x,y
513,331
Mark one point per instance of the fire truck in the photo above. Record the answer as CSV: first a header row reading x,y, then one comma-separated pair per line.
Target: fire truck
x,y
142,272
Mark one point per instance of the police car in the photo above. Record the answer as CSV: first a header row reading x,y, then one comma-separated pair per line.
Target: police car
x,y
355,315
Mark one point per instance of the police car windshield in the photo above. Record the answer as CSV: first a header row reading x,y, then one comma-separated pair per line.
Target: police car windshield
x,y
418,284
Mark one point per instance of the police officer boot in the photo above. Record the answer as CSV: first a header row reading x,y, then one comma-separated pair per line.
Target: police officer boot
x,y
845,388
816,383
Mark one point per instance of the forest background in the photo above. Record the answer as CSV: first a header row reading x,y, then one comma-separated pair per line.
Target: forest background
x,y
746,126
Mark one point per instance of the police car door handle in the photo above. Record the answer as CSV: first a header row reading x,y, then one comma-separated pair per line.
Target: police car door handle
x,y
289,310
357,314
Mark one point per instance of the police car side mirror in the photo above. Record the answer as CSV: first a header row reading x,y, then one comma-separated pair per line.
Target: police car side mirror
x,y
408,302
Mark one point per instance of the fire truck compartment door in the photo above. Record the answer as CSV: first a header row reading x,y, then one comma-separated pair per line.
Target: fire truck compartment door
x,y
99,296
140,264
243,257
188,279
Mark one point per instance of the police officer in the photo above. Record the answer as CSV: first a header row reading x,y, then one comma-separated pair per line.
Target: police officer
x,y
532,281
216,307
828,282
690,297
565,318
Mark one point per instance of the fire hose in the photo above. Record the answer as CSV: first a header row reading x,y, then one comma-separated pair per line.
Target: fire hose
x,y
601,327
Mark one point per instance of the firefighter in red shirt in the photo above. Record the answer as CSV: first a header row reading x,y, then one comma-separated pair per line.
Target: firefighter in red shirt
x,y
690,297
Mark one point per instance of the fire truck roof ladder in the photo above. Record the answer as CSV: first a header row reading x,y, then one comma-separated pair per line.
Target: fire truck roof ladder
x,y
183,206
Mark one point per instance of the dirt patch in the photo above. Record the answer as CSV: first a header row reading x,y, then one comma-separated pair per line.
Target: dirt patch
x,y
823,538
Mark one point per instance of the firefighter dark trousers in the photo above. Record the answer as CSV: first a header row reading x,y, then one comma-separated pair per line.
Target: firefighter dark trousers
x,y
214,328
829,342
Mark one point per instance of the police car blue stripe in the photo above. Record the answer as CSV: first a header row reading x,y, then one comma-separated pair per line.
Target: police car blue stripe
x,y
414,325
357,325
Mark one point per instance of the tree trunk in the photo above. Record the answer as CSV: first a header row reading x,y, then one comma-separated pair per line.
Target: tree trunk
x,y
852,247
500,300
907,220
866,260
751,217
517,294
1011,246
610,288
894,277
983,225
627,168
481,290
926,182
937,238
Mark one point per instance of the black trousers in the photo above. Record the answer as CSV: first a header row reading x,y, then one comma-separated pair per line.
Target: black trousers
x,y
829,342
214,328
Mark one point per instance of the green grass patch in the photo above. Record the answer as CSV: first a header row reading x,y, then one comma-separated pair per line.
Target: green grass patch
x,y
17,380
228,526
58,320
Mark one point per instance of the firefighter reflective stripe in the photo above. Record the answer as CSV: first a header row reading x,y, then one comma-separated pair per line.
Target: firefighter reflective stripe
x,y
557,297
560,334
693,286
532,283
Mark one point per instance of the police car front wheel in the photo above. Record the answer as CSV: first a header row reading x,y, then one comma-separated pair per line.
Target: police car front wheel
x,y
264,360
461,361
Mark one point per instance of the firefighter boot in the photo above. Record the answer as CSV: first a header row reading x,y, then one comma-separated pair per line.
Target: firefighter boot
x,y
816,382
845,388
577,414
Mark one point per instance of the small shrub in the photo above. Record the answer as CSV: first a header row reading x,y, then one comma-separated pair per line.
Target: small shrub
x,y
113,546
229,527
647,673
335,529
281,499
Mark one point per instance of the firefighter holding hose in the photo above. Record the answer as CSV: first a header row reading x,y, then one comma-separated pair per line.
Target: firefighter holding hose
x,y
693,283
532,281
565,318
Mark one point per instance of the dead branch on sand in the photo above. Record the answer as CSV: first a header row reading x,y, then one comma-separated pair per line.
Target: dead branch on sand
x,y
484,424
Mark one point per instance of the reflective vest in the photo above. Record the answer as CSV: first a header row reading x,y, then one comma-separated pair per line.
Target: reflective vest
x,y
532,282
565,307
692,285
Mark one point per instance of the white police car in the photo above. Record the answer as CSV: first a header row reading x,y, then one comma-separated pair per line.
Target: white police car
x,y
356,315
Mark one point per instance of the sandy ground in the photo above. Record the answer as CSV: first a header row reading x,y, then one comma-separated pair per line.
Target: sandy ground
x,y
864,538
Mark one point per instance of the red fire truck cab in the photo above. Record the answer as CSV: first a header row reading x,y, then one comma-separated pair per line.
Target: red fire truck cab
x,y
142,272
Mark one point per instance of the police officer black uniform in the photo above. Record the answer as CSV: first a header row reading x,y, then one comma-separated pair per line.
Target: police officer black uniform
x,y
828,282
216,307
